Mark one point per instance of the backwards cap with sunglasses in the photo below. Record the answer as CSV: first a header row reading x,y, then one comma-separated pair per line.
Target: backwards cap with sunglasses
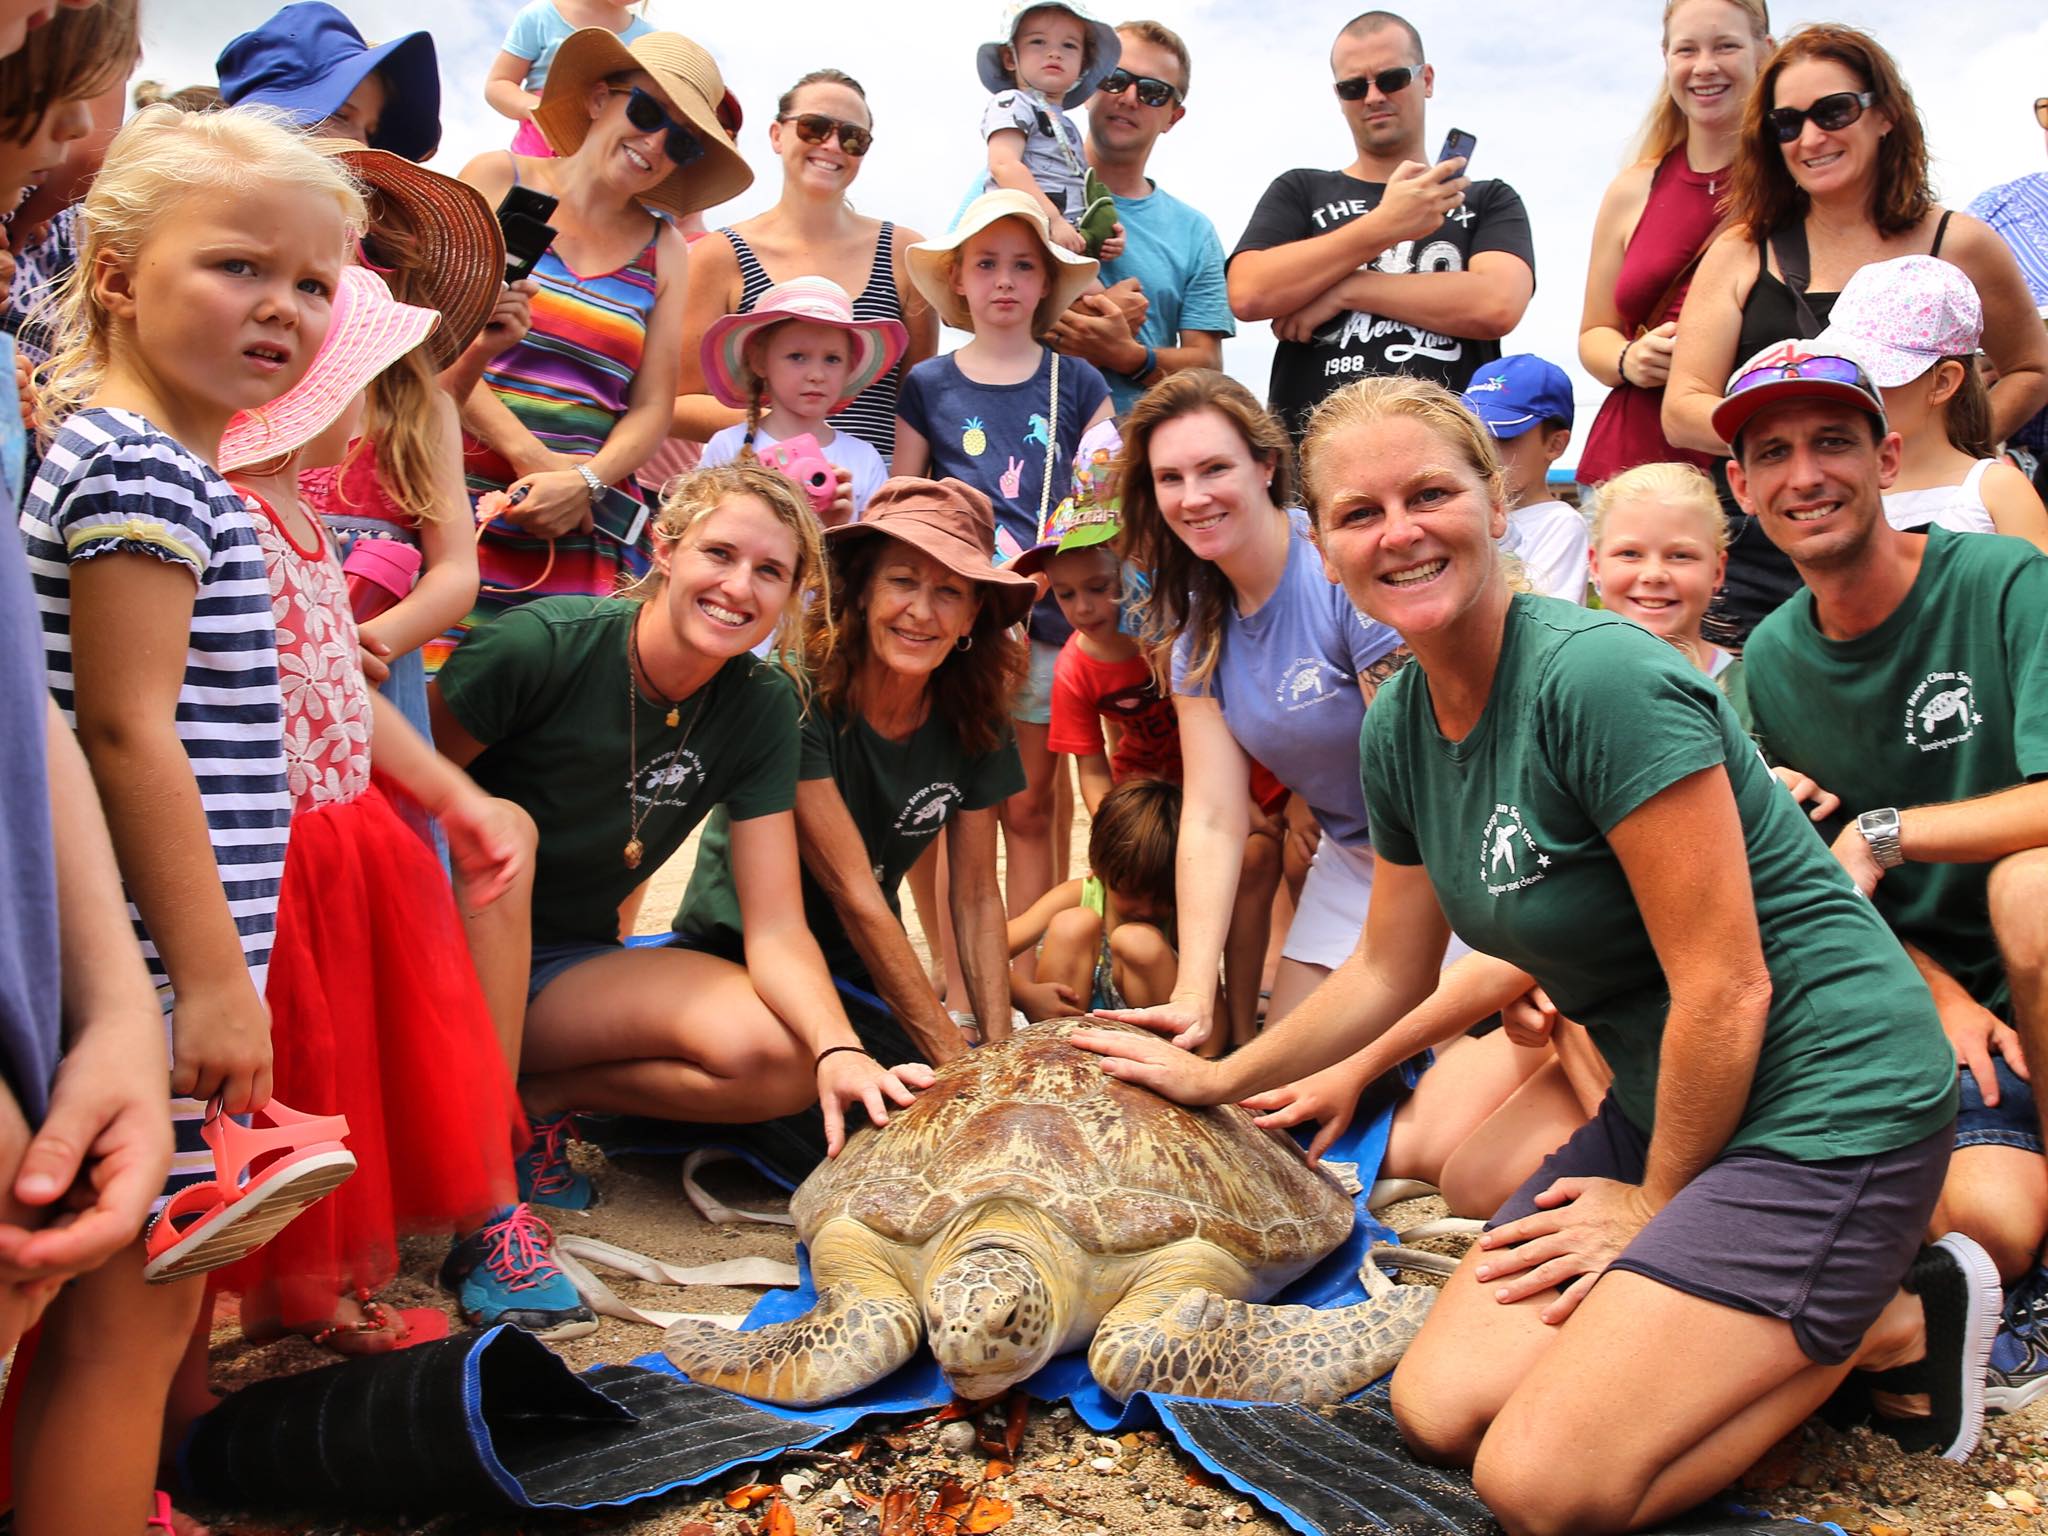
x,y
1788,370
1107,50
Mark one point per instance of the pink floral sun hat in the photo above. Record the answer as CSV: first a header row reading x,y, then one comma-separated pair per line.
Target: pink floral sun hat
x,y
367,332
1899,318
877,344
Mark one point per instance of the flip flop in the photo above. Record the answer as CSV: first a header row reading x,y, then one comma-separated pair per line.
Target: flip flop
x,y
160,1513
205,1226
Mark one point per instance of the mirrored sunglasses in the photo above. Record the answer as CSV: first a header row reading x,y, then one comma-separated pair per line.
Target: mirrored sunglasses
x,y
1152,91
1388,80
1831,112
646,115
1835,370
816,128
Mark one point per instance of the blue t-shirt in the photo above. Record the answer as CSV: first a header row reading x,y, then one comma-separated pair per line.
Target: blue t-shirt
x,y
1175,255
539,30
995,437
30,1024
1287,679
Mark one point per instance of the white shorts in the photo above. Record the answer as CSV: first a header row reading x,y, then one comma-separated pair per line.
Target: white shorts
x,y
1334,900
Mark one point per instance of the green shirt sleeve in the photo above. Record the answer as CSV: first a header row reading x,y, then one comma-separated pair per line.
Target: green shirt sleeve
x,y
814,753
994,776
494,680
769,750
1387,811
2022,618
1625,716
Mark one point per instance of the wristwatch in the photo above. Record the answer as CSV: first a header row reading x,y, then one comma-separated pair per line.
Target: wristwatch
x,y
1880,829
1144,370
591,480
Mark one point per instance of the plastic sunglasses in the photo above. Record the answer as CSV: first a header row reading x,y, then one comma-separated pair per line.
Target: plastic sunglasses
x,y
816,128
1152,91
1835,370
1829,113
646,114
1388,80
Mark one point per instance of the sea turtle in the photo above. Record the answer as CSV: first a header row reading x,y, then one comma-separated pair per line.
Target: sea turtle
x,y
1029,1203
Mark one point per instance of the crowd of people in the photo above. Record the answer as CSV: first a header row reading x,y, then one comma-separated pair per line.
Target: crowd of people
x,y
1666,849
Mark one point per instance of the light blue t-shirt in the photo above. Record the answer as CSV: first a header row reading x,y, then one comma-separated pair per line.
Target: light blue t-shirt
x,y
1174,253
845,451
1287,679
539,29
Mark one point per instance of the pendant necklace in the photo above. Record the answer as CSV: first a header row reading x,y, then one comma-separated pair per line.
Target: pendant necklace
x,y
635,850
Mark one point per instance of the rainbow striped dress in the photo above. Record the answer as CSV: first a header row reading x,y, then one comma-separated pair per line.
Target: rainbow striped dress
x,y
568,382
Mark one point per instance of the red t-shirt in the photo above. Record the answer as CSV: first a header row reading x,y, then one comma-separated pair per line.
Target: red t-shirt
x,y
1086,691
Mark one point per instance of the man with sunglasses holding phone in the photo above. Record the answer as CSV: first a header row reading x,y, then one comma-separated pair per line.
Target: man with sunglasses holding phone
x,y
1911,679
1172,257
1392,264
2018,211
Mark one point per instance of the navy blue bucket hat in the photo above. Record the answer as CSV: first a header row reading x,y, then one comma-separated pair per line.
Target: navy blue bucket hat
x,y
307,60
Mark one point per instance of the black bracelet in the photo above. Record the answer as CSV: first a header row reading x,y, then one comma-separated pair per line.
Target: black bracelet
x,y
834,1050
1621,362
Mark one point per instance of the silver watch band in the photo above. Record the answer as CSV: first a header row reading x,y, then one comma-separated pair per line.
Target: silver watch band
x,y
1880,830
591,480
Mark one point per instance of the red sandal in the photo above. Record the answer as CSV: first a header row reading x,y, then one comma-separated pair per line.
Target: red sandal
x,y
204,1226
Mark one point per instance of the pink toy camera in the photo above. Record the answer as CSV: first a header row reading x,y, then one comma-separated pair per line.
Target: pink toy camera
x,y
803,461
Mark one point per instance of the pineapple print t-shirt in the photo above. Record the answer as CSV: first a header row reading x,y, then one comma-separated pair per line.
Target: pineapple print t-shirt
x,y
1000,438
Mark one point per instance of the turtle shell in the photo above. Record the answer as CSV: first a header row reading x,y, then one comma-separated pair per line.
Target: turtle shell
x,y
1037,1120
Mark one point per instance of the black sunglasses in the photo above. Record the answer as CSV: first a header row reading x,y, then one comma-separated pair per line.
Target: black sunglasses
x,y
816,128
646,114
1829,113
1152,92
1388,80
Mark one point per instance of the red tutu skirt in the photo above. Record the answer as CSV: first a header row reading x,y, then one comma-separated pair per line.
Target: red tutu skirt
x,y
376,1014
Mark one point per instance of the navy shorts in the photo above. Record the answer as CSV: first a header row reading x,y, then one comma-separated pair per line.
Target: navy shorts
x,y
2012,1122
551,960
1821,1246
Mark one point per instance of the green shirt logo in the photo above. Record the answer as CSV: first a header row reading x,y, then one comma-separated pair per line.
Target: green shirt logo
x,y
1942,712
1508,856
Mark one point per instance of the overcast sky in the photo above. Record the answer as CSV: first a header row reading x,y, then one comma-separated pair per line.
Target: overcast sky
x,y
1554,94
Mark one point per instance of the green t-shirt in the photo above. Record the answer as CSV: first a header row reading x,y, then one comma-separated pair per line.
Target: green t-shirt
x,y
1945,700
899,794
1589,717
545,688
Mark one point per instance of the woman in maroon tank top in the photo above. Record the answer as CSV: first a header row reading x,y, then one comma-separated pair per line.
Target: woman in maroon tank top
x,y
1655,221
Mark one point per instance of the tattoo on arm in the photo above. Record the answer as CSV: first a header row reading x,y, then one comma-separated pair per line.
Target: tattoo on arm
x,y
1374,677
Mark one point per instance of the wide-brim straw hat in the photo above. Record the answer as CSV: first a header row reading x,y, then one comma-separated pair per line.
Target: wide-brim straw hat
x,y
931,261
877,344
368,330
1109,50
687,79
459,251
951,521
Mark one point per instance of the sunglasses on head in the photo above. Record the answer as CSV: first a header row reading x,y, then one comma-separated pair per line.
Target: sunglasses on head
x,y
1835,370
1152,92
1388,80
1829,113
646,114
816,128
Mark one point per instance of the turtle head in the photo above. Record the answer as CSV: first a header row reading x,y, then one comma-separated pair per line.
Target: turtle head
x,y
990,1319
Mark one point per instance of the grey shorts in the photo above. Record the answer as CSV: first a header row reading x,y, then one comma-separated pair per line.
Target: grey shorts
x,y
1033,704
1821,1246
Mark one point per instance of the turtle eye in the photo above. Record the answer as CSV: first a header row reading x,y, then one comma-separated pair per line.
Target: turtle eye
x,y
1009,1318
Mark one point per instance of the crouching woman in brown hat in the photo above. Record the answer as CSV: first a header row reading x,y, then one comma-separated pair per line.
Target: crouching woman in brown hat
x,y
619,724
907,734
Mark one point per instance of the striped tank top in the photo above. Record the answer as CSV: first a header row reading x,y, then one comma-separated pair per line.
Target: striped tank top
x,y
871,417
568,383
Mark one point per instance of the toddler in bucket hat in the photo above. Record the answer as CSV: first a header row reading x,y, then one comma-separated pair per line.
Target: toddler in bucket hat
x,y
311,63
795,359
1051,57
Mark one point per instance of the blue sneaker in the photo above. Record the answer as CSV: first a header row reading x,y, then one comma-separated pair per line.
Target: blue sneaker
x,y
545,1176
503,1273
2019,1358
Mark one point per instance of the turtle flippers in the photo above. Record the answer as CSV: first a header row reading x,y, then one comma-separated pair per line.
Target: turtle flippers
x,y
1203,1344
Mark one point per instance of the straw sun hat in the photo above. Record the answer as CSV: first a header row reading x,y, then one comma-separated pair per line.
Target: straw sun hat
x,y
877,344
691,88
931,261
458,249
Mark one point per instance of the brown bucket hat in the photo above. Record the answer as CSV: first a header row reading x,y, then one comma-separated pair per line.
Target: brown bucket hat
x,y
953,523
694,91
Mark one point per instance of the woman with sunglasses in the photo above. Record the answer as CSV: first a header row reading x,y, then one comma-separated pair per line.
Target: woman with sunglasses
x,y
1656,222
561,422
1830,175
821,134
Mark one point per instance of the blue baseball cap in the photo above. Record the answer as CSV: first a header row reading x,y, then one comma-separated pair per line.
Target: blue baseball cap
x,y
1518,393
308,59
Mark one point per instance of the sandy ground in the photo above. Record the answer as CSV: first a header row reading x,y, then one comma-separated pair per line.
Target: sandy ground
x,y
1064,1480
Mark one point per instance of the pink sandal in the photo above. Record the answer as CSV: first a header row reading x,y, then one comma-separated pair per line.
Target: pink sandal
x,y
160,1514
204,1226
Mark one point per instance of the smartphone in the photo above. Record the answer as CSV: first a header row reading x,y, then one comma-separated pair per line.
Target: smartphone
x,y
523,216
1458,145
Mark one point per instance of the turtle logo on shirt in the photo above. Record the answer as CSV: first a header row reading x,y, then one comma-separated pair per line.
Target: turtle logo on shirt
x,y
1508,856
671,779
1942,711
1303,683
925,812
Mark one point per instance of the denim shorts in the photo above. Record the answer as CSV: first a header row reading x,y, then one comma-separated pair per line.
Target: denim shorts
x,y
1033,703
2012,1122
551,960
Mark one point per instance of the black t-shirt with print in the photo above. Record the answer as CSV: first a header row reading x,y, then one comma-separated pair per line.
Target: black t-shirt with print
x,y
1302,204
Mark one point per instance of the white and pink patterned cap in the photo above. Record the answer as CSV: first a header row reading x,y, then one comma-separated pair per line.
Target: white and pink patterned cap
x,y
1899,318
